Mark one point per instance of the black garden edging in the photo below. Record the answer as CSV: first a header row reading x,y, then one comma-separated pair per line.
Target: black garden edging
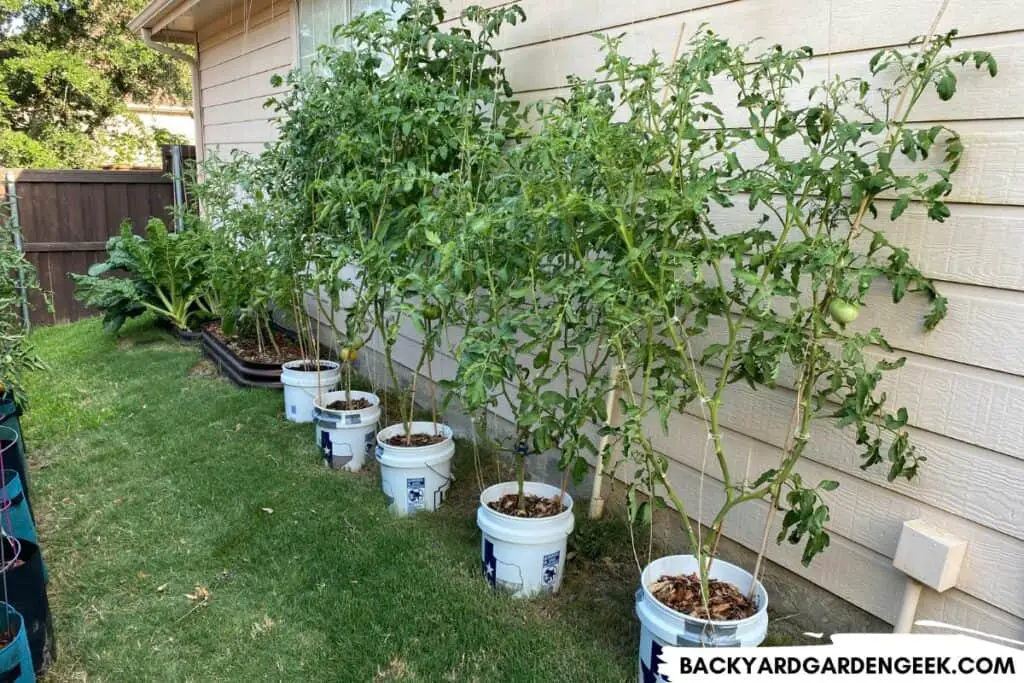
x,y
184,336
241,372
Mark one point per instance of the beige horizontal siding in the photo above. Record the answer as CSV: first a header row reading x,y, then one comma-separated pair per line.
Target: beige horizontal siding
x,y
245,131
979,245
235,39
963,383
239,53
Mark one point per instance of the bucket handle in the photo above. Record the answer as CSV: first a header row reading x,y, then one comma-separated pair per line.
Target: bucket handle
x,y
7,505
448,479
12,674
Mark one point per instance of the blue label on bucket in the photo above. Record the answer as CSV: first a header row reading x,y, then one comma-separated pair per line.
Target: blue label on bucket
x,y
326,446
371,438
379,452
293,408
353,419
416,489
551,568
489,565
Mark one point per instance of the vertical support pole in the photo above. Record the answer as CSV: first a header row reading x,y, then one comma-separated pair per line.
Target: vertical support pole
x,y
911,596
12,200
611,418
179,193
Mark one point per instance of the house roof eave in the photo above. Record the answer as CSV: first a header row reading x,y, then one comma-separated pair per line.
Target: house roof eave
x,y
151,12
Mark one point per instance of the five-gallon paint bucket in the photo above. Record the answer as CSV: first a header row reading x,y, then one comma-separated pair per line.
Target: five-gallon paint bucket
x,y
15,657
304,387
661,626
346,437
415,479
524,556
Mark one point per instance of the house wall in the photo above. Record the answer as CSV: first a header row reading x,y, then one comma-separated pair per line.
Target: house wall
x,y
963,384
238,54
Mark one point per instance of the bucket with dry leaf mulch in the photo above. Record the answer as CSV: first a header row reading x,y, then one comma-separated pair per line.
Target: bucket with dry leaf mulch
x,y
415,465
523,547
673,611
346,427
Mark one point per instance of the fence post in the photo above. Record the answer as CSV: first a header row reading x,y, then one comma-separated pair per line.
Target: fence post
x,y
179,194
12,199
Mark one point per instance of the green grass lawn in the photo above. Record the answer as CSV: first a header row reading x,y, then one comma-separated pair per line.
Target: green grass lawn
x,y
152,478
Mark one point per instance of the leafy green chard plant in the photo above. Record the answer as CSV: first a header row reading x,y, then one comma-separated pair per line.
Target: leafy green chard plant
x,y
379,124
163,272
769,299
17,278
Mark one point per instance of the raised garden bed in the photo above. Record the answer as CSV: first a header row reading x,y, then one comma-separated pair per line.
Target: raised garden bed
x,y
240,361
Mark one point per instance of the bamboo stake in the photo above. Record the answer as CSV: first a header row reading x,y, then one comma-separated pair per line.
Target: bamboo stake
x,y
611,418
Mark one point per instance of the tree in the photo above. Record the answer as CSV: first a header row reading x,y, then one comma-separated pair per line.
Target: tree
x,y
67,69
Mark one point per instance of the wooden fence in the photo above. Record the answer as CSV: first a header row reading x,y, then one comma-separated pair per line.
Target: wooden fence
x,y
65,219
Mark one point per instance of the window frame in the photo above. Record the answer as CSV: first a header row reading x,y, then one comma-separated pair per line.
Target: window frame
x,y
347,9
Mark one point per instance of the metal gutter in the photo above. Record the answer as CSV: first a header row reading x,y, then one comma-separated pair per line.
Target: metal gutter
x,y
193,63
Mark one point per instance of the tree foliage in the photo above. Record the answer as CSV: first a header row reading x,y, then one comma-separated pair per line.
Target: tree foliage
x,y
67,69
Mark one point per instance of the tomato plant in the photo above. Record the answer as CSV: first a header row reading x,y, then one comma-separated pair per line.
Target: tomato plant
x,y
768,298
17,279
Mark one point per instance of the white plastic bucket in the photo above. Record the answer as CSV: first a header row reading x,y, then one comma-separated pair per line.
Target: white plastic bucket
x,y
663,626
521,555
415,479
302,388
346,437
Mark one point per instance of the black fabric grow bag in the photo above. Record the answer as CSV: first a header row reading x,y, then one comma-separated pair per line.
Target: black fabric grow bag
x,y
13,455
26,592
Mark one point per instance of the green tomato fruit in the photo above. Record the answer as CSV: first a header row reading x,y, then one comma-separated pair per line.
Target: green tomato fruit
x,y
349,355
431,312
843,312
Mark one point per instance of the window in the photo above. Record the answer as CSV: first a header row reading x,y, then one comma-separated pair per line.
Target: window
x,y
317,19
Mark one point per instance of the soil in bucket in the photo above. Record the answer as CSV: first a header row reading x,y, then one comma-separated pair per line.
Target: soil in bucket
x,y
536,506
311,366
414,440
682,593
7,637
354,404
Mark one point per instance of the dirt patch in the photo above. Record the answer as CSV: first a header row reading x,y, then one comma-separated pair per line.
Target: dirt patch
x,y
203,368
396,670
682,593
535,507
354,404
248,348
415,440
